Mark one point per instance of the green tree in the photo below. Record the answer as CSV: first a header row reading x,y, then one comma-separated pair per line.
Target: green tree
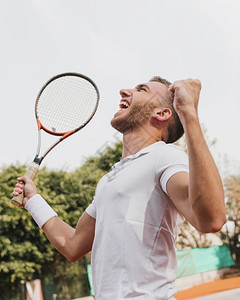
x,y
24,250
20,256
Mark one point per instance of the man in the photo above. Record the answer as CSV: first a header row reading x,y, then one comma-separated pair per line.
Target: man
x,y
132,224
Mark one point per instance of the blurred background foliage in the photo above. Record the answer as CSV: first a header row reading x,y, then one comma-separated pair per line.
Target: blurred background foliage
x,y
26,254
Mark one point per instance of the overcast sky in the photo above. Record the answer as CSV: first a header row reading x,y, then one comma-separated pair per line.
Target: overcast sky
x,y
118,44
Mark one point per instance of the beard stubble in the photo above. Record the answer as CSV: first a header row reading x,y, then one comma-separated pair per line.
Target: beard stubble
x,y
137,116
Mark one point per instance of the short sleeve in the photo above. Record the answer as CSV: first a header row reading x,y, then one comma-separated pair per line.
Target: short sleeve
x,y
91,210
174,160
169,172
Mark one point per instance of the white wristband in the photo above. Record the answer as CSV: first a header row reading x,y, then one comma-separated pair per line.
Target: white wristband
x,y
40,210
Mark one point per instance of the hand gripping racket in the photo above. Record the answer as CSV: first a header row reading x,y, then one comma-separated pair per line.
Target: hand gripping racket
x,y
65,104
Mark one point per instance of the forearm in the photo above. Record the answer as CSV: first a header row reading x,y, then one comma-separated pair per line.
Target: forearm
x,y
72,243
60,235
205,199
206,194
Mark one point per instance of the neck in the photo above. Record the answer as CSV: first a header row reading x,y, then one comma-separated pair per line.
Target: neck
x,y
135,140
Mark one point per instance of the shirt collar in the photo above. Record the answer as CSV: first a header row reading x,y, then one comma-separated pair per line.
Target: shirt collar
x,y
138,154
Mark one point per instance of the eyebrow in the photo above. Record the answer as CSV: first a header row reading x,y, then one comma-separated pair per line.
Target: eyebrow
x,y
142,85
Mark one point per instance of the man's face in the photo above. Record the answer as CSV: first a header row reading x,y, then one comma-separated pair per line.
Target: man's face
x,y
137,105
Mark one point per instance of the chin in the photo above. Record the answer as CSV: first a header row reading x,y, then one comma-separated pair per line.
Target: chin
x,y
114,125
119,124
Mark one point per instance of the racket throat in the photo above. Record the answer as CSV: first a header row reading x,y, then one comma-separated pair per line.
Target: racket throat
x,y
38,160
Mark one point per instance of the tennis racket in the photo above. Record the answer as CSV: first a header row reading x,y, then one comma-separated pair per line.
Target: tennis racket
x,y
64,105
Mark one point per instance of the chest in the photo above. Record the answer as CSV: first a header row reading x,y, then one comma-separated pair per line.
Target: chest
x,y
130,192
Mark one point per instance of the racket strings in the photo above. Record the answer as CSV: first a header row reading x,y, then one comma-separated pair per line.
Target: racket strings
x,y
66,104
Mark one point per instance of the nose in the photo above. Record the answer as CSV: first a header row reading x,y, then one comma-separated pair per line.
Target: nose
x,y
125,93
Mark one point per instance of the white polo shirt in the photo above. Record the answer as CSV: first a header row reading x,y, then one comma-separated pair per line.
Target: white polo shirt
x,y
133,255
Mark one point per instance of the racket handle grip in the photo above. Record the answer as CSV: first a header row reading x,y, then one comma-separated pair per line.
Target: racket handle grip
x,y
31,173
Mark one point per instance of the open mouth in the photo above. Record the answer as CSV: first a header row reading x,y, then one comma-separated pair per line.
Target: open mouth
x,y
124,104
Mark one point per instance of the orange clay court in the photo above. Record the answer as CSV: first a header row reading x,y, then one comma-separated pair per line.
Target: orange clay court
x,y
208,288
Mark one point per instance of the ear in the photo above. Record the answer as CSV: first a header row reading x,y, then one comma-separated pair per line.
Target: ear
x,y
162,114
